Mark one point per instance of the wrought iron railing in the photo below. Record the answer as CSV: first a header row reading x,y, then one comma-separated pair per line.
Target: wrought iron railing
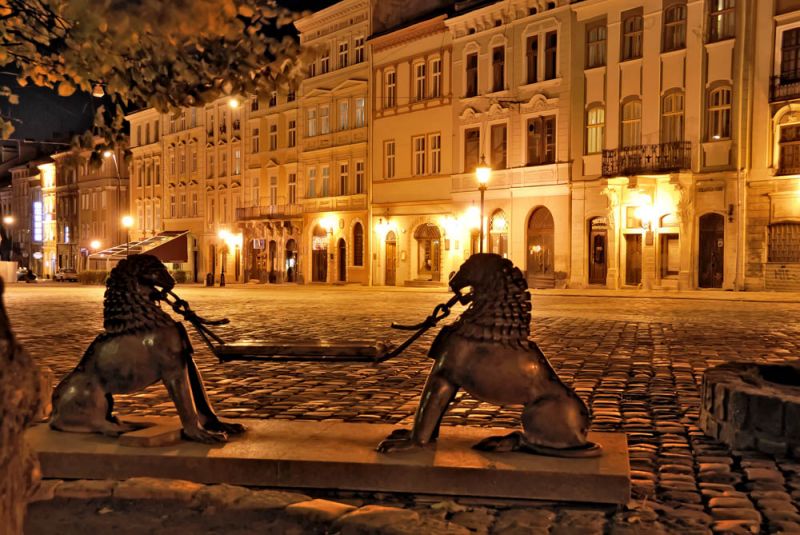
x,y
648,159
273,211
783,88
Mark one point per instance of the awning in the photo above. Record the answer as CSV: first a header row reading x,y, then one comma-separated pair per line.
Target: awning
x,y
169,246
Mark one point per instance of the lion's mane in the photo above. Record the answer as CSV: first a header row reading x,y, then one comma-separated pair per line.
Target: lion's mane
x,y
130,305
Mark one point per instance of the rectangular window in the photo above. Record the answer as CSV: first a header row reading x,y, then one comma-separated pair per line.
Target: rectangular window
x,y
210,171
358,49
721,20
541,140
183,211
156,132
391,89
361,113
672,117
343,54
273,137
499,138
789,150
674,27
719,114
344,114
595,129
212,212
670,255
472,75
312,69
498,68
784,243
194,204
194,159
436,78
324,120
139,135
254,141
325,61
273,190
292,134
173,211
389,158
632,28
273,99
344,177
472,149
435,143
359,178
550,55
312,182
595,45
418,143
631,124
237,162
790,56
532,59
311,125
223,164
157,173
326,181
254,104
291,96
419,81
182,165
292,188
140,175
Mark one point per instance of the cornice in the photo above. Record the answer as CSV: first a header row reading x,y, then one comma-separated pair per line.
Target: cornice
x,y
416,31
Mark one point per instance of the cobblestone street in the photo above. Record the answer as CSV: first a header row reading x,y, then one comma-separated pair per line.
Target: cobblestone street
x,y
637,362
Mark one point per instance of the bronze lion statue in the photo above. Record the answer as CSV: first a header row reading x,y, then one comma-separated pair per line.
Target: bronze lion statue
x,y
489,353
140,346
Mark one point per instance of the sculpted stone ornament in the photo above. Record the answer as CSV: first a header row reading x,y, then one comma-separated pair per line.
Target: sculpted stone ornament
x,y
141,345
488,352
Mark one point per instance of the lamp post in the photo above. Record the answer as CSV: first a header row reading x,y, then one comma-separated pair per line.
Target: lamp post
x,y
224,235
109,154
482,173
127,223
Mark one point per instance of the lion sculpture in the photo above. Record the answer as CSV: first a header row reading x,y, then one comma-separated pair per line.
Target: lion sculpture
x,y
488,352
141,345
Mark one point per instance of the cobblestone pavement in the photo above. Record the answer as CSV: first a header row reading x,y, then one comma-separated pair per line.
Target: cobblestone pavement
x,y
637,362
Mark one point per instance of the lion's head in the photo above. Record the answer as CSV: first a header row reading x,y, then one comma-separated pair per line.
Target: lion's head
x,y
501,305
132,295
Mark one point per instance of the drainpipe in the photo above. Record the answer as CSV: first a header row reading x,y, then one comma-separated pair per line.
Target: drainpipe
x,y
744,122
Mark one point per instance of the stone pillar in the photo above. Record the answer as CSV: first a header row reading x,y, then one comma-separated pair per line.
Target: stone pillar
x,y
614,235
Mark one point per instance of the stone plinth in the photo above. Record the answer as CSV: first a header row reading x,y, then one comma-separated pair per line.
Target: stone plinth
x,y
335,455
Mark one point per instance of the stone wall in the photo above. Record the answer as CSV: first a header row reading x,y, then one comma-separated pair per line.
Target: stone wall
x,y
784,277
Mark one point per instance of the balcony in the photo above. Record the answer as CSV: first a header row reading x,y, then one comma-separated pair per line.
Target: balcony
x,y
648,159
273,211
783,88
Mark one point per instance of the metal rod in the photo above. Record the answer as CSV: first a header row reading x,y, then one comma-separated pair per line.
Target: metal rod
x,y
483,191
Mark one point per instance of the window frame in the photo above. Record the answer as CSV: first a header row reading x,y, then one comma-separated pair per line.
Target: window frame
x,y
435,158
420,81
673,32
502,160
472,79
390,158
390,88
721,20
632,35
498,68
595,131
596,48
630,127
436,77
719,115
669,117
418,156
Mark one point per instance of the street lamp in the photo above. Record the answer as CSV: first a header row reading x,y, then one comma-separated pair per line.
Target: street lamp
x,y
7,222
224,235
127,223
482,173
110,154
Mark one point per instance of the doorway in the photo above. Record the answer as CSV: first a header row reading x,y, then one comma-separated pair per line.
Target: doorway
x,y
291,261
429,252
273,260
711,254
319,255
342,248
391,259
598,243
633,259
540,249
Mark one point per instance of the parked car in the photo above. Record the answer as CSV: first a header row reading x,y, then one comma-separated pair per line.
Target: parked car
x,y
25,275
66,275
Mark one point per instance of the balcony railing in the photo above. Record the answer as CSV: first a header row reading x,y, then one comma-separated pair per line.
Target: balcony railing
x,y
648,159
782,88
274,211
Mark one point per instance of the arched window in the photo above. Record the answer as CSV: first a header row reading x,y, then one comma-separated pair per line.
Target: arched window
x,y
672,117
498,234
595,129
632,123
358,245
675,27
719,113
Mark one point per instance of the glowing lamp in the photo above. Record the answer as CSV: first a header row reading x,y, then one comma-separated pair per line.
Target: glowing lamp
x,y
127,221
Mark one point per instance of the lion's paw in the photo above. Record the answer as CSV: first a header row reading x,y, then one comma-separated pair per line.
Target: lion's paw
x,y
205,436
225,427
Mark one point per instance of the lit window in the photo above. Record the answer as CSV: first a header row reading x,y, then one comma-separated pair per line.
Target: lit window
x,y
719,113
389,158
273,190
419,81
632,123
344,114
344,177
435,141
292,188
292,134
419,155
359,50
436,78
721,20
311,126
237,162
343,54
324,120
672,117
326,181
359,178
675,27
595,129
595,46
632,27
391,89
312,182
361,113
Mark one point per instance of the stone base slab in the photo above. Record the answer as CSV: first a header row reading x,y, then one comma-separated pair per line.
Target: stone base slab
x,y
336,455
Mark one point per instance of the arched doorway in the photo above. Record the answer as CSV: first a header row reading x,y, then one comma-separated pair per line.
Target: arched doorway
x,y
273,261
540,249
342,249
498,234
429,246
391,259
598,243
291,261
319,255
710,260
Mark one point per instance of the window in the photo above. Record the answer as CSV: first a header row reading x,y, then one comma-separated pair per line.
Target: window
x,y
675,27
223,164
182,159
172,168
194,204
140,175
632,26
790,150
361,113
790,56
273,137
550,55
435,142
472,149
172,206
312,69
148,176
595,129
193,119
532,59
292,134
237,162
359,185
157,173
210,172
631,135
211,211
672,117
358,245
389,158
326,180
343,54
541,140
273,99
418,143
358,49
155,131
183,211
291,96
311,127
312,182
436,78
254,104
595,46
273,190
194,160
670,255
223,213
344,178
472,75
499,139
719,113
344,114
325,61
498,68
324,120
784,243
419,81
721,20
292,188
139,135
391,89
254,141
182,121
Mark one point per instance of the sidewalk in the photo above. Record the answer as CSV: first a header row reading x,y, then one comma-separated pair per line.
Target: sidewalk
x,y
711,295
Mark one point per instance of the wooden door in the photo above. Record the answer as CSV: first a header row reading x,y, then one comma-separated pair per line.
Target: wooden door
x,y
711,256
540,249
391,259
342,247
633,259
598,244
